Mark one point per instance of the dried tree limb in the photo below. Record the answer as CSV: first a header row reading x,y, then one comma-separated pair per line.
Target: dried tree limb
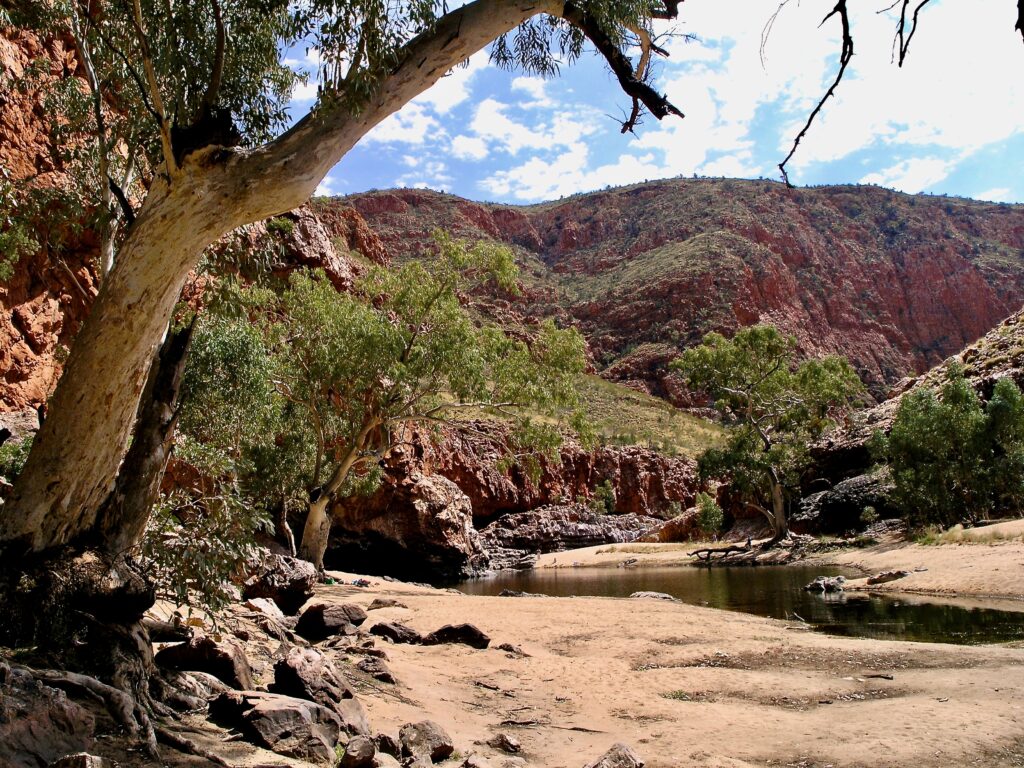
x,y
1020,17
641,92
154,90
213,89
901,28
846,54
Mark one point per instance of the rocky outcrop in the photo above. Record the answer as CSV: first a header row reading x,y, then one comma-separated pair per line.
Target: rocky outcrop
x,y
895,282
558,528
850,505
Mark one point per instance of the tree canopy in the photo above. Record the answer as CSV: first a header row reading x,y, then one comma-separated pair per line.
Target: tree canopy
x,y
775,408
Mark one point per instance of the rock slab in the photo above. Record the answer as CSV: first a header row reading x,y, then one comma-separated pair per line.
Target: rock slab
x,y
619,756
224,660
425,739
466,634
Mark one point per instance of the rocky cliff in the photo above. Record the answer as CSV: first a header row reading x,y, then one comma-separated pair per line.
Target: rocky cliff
x,y
895,282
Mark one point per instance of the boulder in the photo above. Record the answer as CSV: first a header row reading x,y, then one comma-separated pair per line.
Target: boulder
x,y
359,753
476,761
81,760
887,576
388,744
619,756
377,669
322,620
287,581
384,760
425,739
826,584
266,607
385,602
505,743
225,660
306,674
466,634
39,724
396,633
283,724
684,527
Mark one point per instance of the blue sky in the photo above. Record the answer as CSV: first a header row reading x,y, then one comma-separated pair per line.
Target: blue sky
x,y
950,121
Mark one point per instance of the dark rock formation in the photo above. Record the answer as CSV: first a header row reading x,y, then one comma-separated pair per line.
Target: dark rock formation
x,y
847,506
396,632
287,581
826,584
282,724
466,634
619,756
322,620
225,660
359,753
377,669
39,724
556,528
306,674
425,739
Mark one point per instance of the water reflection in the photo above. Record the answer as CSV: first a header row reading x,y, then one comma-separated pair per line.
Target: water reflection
x,y
778,592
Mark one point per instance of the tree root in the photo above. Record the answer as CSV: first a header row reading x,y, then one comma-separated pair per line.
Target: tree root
x,y
125,709
181,744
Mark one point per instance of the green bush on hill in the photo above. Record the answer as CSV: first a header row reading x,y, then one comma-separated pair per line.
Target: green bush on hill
x,y
953,458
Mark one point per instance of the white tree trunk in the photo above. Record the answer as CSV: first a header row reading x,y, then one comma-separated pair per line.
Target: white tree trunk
x,y
316,532
74,462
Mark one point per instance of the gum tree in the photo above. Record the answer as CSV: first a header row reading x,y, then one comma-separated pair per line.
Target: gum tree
x,y
774,406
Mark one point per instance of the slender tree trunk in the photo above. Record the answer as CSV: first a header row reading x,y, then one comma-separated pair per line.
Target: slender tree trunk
x,y
317,532
780,524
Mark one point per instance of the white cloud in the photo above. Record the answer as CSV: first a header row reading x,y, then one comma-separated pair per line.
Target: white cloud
x,y
536,89
996,194
913,175
304,92
328,187
432,174
454,88
491,123
469,148
412,125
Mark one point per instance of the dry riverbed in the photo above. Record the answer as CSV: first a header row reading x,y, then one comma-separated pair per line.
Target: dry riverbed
x,y
692,686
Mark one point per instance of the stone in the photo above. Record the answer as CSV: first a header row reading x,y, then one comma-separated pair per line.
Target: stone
x,y
467,634
39,724
619,756
388,744
841,508
385,602
396,633
283,724
384,760
265,606
81,760
359,753
225,660
654,596
322,620
505,743
307,674
425,739
826,584
287,581
476,761
887,576
377,669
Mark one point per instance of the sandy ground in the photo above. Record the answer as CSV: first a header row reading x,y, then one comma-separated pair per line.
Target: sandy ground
x,y
686,686
692,686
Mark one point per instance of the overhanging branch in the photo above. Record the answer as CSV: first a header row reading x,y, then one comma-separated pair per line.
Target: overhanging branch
x,y
845,55
634,86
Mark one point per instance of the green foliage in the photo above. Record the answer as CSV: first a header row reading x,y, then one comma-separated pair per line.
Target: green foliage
x,y
16,238
603,501
280,226
954,459
775,409
710,517
13,455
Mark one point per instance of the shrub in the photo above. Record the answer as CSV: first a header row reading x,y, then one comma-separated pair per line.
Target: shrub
x,y
603,500
13,455
710,516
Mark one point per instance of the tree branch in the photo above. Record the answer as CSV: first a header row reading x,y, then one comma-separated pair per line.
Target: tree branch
x,y
1020,17
905,37
213,90
621,66
845,55
154,90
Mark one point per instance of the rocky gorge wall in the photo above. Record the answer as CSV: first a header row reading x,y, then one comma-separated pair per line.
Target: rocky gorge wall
x,y
894,282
